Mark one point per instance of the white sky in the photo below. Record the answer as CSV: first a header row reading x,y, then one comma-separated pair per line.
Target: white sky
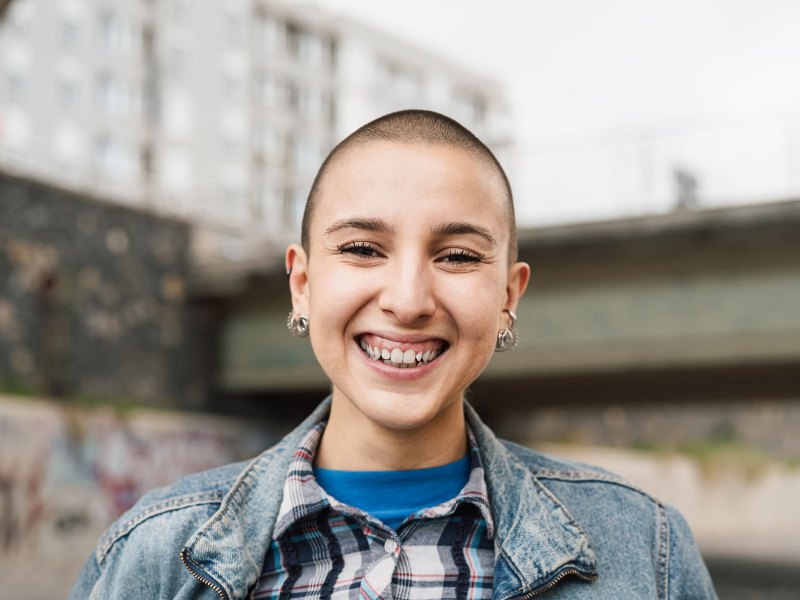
x,y
589,70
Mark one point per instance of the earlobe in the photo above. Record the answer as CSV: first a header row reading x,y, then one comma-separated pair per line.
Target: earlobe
x,y
297,270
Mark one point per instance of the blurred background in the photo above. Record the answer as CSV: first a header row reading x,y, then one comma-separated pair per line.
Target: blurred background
x,y
155,157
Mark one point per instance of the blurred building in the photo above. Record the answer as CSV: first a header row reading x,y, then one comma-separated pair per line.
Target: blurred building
x,y
219,112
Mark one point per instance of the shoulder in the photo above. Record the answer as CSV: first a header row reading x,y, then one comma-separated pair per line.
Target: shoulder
x,y
627,525
595,497
141,547
191,499
178,510
547,468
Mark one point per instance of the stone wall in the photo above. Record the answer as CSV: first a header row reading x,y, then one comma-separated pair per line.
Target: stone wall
x,y
93,300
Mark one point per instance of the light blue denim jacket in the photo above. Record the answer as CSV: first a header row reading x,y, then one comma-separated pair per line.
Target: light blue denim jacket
x,y
563,530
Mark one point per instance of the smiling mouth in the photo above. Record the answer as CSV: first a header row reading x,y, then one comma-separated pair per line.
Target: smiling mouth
x,y
401,355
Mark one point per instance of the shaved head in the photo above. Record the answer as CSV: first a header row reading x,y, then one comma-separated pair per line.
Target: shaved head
x,y
414,127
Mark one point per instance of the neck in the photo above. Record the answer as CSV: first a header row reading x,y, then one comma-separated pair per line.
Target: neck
x,y
354,442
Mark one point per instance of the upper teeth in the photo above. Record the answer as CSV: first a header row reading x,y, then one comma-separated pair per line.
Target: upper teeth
x,y
396,356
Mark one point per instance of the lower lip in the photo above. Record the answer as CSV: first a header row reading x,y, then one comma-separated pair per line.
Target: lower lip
x,y
399,374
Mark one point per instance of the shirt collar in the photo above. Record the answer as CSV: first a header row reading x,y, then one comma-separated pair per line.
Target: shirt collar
x,y
302,495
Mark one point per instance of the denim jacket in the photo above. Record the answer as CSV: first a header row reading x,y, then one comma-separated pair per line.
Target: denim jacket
x,y
563,530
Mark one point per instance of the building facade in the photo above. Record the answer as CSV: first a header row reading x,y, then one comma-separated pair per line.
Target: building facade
x,y
220,112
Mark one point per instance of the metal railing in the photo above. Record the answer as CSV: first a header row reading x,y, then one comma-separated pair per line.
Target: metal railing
x,y
702,164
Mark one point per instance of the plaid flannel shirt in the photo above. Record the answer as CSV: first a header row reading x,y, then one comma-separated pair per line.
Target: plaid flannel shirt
x,y
322,548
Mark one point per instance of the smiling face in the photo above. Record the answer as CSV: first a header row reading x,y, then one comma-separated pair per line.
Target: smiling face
x,y
406,280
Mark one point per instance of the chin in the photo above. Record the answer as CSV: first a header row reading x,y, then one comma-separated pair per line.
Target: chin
x,y
401,412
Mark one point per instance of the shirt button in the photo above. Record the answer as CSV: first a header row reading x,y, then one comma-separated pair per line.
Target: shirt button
x,y
390,546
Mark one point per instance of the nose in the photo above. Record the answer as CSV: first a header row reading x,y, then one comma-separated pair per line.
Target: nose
x,y
407,290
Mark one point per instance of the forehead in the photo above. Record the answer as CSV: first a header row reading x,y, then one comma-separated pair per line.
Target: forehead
x,y
389,179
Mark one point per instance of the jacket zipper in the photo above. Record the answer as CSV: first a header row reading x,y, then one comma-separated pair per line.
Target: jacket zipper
x,y
185,560
555,581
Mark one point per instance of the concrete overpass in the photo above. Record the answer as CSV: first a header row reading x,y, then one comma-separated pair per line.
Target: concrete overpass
x,y
692,305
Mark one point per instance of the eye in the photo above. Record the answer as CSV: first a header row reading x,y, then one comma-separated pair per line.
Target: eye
x,y
359,250
459,256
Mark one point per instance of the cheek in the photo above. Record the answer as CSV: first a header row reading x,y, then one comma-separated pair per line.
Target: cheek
x,y
477,308
334,295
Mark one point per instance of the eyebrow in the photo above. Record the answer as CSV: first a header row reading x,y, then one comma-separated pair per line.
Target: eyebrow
x,y
458,228
381,226
376,225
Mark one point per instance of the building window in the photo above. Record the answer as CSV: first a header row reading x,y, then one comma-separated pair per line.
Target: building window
x,y
304,45
107,96
398,83
70,35
302,153
235,24
270,34
299,42
234,88
319,107
69,95
116,99
233,149
262,89
330,52
234,203
303,103
177,64
290,93
15,88
116,35
113,157
19,16
179,12
470,106
292,211
328,107
146,159
272,147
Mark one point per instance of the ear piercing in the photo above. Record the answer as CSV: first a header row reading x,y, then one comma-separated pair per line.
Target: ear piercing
x,y
507,338
297,324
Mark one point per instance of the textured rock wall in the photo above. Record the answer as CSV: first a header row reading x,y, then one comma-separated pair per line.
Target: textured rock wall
x,y
93,299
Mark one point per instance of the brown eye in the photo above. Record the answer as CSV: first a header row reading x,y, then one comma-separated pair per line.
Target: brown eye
x,y
460,256
359,249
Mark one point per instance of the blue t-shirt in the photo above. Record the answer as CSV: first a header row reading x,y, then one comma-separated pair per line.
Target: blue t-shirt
x,y
391,496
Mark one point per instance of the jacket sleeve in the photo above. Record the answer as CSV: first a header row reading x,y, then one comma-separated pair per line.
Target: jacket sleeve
x,y
82,589
687,575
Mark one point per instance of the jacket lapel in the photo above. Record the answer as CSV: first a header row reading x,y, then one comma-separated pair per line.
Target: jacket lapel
x,y
231,546
536,538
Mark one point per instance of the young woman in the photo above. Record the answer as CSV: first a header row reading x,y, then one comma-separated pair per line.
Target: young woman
x,y
406,282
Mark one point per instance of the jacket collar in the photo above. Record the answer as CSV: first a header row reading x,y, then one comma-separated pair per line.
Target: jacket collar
x,y
535,535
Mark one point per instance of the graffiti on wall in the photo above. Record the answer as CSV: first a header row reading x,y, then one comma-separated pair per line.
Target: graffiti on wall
x,y
66,474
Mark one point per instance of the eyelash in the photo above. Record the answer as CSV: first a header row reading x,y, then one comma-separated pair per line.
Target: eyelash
x,y
460,256
359,249
366,250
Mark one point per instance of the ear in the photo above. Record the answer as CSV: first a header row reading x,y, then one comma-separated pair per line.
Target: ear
x,y
297,268
518,276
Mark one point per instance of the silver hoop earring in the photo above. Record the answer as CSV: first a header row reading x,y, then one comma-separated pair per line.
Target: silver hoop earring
x,y
297,324
507,338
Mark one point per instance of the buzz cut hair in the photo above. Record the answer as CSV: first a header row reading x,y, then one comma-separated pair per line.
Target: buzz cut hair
x,y
412,126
